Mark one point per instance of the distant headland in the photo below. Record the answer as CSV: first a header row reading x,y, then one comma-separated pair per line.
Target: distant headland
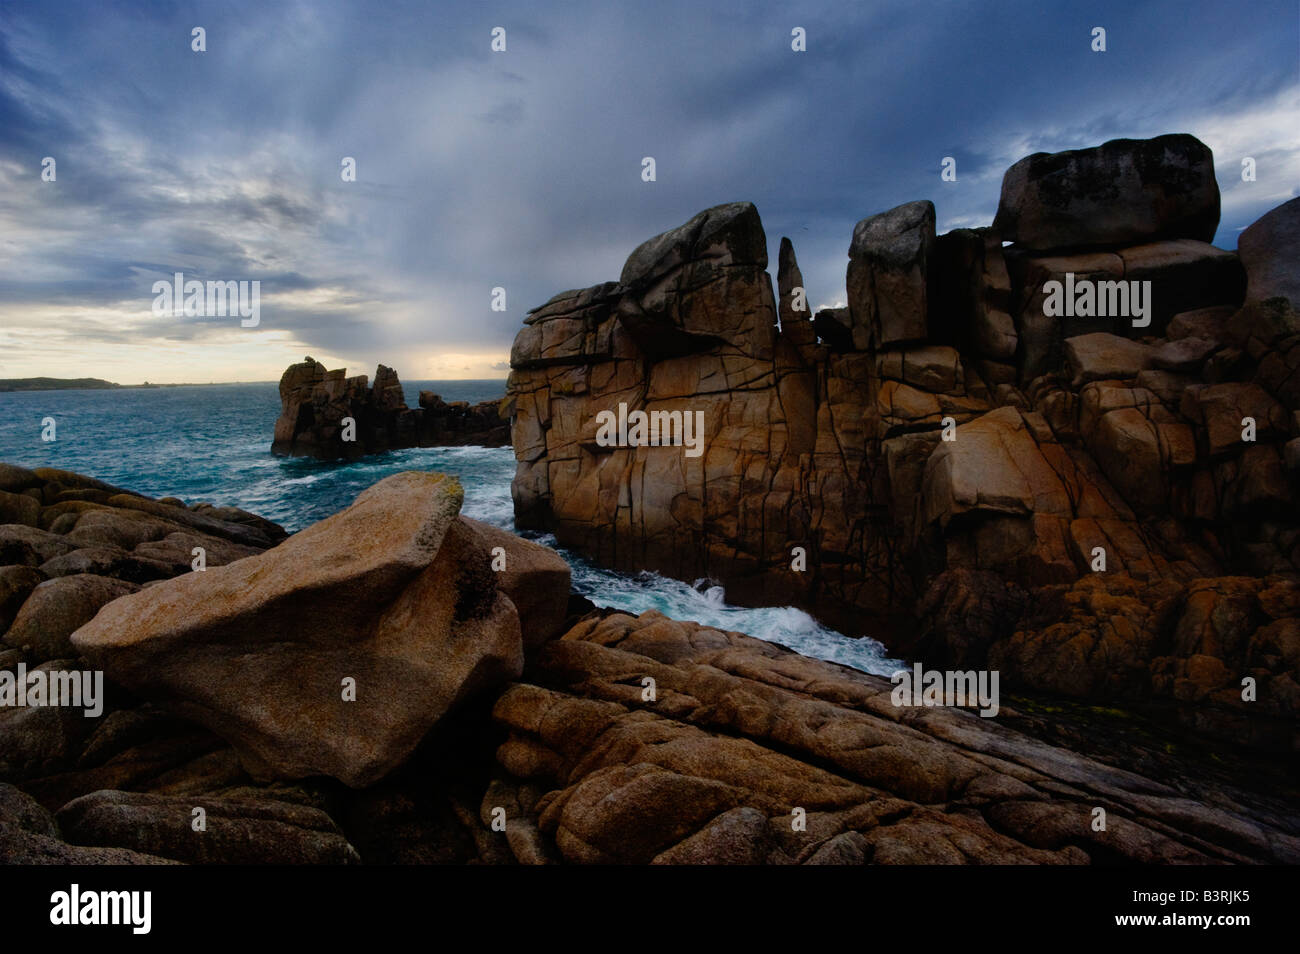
x,y
75,384
56,384
96,384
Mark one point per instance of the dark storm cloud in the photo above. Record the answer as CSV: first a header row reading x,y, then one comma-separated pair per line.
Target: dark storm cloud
x,y
522,169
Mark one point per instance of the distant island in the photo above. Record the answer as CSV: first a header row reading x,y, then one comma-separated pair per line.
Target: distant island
x,y
75,384
55,384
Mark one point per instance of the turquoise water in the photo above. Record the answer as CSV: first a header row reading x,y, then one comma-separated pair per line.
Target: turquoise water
x,y
212,443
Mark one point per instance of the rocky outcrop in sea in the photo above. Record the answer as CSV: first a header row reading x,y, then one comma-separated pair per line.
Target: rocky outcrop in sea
x,y
327,415
1065,447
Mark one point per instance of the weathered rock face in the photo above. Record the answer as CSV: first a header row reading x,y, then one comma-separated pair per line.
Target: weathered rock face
x,y
1121,192
691,327
336,652
29,836
948,419
1184,276
701,284
1173,646
317,404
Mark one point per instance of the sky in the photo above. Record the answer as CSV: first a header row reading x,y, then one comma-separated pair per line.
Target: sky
x,y
522,169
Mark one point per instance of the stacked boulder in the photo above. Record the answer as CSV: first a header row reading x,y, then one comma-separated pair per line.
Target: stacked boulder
x,y
327,415
956,415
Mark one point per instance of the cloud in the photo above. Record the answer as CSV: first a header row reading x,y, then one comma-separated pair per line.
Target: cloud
x,y
522,169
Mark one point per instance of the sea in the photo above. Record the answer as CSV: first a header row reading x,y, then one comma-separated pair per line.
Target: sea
x,y
212,443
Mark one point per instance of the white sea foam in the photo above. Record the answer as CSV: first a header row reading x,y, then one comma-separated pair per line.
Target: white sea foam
x,y
487,498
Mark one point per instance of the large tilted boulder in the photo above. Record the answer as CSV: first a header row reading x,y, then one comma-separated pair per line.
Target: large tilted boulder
x,y
1122,192
392,602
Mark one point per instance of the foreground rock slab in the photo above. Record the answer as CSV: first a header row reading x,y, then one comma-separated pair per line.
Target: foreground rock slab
x,y
335,652
743,737
237,831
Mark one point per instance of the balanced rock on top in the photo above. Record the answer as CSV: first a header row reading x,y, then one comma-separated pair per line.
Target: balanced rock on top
x,y
1121,192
